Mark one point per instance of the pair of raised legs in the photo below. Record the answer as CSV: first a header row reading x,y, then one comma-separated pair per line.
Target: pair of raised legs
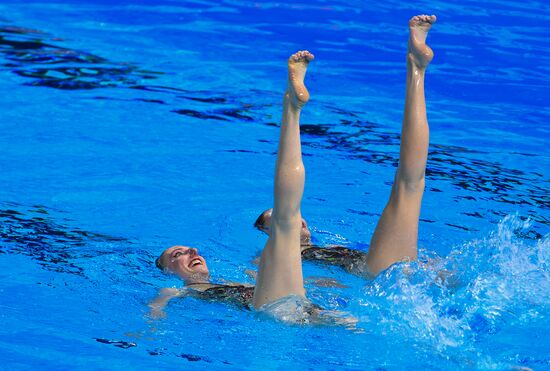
x,y
396,234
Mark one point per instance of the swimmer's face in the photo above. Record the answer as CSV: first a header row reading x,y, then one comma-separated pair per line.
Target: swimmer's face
x,y
185,262
263,223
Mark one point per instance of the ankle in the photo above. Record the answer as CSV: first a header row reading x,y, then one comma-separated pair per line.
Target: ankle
x,y
292,104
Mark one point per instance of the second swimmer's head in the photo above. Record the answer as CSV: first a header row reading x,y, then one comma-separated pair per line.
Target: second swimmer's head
x,y
185,262
263,223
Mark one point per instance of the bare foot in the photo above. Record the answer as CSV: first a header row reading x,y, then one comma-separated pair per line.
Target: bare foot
x,y
296,90
420,54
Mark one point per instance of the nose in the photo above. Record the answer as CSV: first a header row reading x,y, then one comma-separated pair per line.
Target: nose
x,y
193,252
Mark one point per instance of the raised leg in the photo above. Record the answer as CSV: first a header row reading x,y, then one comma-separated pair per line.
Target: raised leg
x,y
280,272
396,235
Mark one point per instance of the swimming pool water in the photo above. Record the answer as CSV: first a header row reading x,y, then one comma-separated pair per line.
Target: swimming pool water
x,y
129,126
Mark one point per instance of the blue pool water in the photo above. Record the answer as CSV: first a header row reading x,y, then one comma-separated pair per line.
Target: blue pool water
x,y
128,127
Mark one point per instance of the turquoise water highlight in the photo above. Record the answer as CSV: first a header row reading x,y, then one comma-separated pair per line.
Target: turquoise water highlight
x,y
129,127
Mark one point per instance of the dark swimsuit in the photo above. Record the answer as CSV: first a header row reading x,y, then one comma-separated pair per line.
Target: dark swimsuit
x,y
239,295
336,255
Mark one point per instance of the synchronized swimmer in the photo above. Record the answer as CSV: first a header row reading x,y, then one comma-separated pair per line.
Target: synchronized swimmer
x,y
280,270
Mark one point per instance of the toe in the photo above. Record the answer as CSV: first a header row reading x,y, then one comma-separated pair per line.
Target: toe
x,y
302,55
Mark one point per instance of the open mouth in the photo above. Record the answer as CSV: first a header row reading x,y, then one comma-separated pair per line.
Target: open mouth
x,y
195,262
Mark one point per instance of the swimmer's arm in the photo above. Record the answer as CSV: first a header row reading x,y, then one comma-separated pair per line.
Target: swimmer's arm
x,y
337,318
156,307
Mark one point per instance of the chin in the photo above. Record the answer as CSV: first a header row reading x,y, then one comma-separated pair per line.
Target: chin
x,y
201,272
195,276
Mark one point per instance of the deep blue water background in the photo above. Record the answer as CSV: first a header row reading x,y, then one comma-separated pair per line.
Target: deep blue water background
x,y
130,126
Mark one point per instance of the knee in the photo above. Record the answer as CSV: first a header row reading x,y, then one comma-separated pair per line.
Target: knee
x,y
406,187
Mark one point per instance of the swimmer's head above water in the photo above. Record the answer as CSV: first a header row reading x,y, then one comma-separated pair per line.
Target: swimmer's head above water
x,y
185,262
263,223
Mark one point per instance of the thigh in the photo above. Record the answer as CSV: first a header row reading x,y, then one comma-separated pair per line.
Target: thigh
x,y
280,271
396,235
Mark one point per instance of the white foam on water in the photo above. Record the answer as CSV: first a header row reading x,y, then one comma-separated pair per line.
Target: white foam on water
x,y
460,303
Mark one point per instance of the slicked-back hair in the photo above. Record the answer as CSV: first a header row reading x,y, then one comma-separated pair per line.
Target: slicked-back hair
x,y
259,223
158,263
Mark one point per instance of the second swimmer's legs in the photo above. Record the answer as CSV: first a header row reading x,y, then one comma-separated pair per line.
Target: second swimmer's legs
x,y
396,235
280,272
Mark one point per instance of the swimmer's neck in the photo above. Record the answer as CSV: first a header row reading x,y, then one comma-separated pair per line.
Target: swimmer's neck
x,y
197,280
197,286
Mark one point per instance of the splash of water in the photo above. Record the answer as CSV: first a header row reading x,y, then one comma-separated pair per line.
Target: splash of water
x,y
483,288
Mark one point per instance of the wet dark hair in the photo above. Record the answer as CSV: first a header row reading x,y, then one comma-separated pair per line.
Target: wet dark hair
x,y
158,263
259,223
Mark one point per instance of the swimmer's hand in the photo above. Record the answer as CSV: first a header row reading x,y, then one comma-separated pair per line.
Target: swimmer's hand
x,y
339,318
157,314
156,307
